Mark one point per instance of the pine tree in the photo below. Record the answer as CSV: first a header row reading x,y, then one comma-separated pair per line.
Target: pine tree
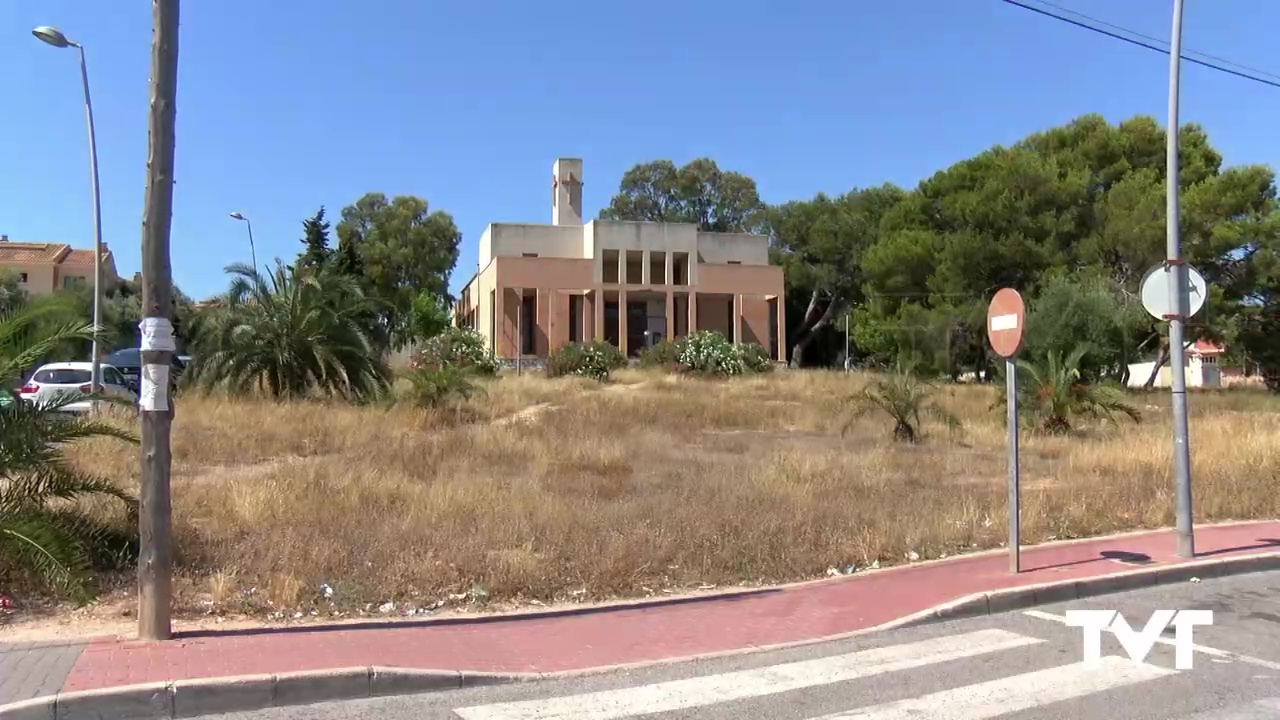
x,y
316,240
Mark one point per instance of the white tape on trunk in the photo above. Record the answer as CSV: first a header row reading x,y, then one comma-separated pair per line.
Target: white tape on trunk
x,y
155,388
157,334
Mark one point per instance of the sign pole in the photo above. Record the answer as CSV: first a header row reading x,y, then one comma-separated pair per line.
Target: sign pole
x,y
1015,535
1006,316
1177,359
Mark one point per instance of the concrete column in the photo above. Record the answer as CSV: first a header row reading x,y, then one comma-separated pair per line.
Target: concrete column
x,y
670,268
671,315
693,312
737,319
622,267
622,321
499,319
644,268
598,308
782,329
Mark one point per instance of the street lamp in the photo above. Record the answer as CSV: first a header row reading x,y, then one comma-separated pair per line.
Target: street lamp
x,y
253,253
54,37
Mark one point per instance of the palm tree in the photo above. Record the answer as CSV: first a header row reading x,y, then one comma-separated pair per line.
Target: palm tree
x,y
290,334
905,398
42,531
1055,392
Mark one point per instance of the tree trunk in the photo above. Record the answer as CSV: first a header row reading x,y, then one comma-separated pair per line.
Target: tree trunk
x,y
155,547
809,328
1161,359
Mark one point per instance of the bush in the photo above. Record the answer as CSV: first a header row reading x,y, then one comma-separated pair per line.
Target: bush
x,y
755,359
708,352
461,348
594,360
437,387
665,354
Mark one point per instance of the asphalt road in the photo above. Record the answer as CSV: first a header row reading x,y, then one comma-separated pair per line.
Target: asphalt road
x,y
1022,665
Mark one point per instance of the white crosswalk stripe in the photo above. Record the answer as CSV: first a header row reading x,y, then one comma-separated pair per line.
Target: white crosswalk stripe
x,y
712,689
977,701
1011,694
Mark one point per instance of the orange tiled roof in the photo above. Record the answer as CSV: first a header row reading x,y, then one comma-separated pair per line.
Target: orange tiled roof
x,y
31,252
57,253
82,257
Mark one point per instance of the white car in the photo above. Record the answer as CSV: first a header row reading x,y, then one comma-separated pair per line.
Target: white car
x,y
74,378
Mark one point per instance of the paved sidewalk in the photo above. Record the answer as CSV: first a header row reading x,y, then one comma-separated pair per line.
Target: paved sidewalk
x,y
585,639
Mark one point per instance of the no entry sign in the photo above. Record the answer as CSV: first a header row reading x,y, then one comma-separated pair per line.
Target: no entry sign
x,y
1006,317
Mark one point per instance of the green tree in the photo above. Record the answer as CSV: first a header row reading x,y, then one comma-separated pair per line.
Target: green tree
x,y
12,296
1083,197
291,334
42,536
428,317
399,248
820,243
315,241
698,192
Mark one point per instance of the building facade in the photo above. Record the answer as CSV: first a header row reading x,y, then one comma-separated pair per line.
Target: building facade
x,y
43,268
632,284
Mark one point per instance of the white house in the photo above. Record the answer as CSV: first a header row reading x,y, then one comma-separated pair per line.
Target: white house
x,y
1202,368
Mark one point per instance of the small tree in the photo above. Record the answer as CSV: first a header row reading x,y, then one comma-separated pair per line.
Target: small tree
x,y
428,316
1055,392
906,399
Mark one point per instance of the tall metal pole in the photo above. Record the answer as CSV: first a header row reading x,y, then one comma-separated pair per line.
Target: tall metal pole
x,y
1011,392
95,361
846,340
1178,289
252,253
155,557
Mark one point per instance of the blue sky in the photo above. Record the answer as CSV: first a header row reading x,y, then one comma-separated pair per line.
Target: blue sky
x,y
286,105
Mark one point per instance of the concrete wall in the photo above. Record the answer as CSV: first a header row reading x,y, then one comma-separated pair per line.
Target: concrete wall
x,y
553,241
41,279
736,247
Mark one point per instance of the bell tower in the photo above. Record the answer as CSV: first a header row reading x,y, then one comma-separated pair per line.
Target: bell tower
x,y
566,192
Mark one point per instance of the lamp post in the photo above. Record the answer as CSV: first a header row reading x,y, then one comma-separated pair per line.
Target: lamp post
x,y
54,37
252,253
1177,359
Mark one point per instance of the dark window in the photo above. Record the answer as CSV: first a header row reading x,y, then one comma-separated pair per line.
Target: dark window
x,y
63,377
22,277
575,318
493,322
529,254
735,262
528,323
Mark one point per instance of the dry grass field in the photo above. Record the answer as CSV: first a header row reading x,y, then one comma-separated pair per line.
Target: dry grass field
x,y
569,490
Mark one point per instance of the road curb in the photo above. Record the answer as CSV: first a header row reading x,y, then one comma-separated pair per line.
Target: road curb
x,y
247,693
999,601
192,698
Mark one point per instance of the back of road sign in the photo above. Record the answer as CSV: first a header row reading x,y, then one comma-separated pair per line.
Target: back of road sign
x,y
1005,319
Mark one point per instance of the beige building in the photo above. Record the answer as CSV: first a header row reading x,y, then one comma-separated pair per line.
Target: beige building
x,y
631,283
44,267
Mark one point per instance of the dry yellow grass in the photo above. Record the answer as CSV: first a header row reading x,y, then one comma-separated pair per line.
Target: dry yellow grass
x,y
570,489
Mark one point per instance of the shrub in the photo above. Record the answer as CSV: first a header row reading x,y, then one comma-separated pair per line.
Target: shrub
x,y
905,398
436,387
461,348
595,360
755,359
708,352
664,354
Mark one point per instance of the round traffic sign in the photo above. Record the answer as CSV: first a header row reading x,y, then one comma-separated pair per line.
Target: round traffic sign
x,y
1155,291
1005,319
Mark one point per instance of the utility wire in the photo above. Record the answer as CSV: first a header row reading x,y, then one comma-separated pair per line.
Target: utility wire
x,y
1224,61
1149,46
